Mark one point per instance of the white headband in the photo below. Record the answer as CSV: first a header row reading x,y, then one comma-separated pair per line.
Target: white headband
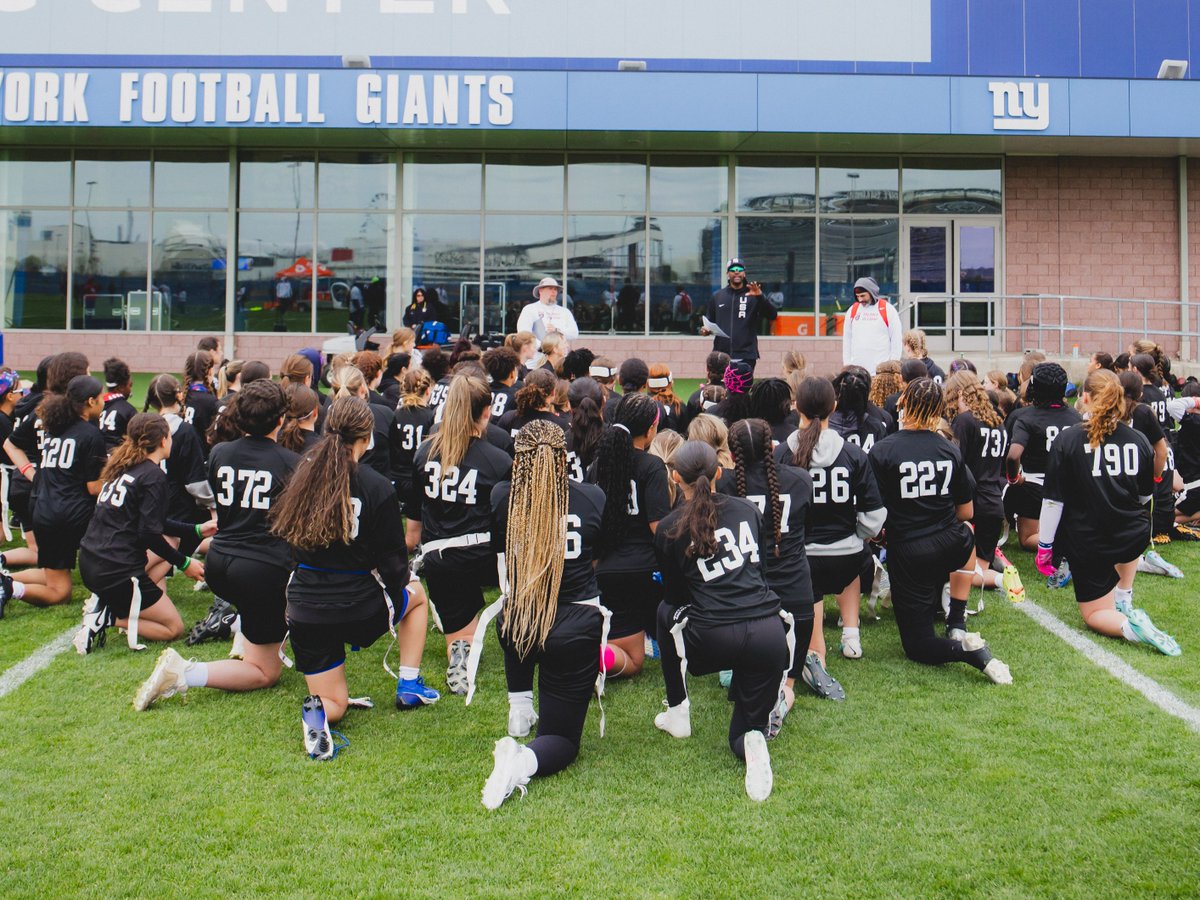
x,y
623,428
602,372
659,382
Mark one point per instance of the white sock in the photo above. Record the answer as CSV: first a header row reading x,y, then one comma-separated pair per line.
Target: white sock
x,y
522,700
196,675
997,580
409,673
236,625
18,590
1129,634
529,761
849,632
1125,595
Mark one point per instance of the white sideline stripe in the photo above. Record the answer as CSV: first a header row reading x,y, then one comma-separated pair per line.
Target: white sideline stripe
x,y
35,662
1114,665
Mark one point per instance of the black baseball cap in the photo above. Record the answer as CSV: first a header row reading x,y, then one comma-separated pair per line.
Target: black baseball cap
x,y
734,263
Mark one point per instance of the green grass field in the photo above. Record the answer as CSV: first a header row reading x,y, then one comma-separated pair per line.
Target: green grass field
x,y
925,782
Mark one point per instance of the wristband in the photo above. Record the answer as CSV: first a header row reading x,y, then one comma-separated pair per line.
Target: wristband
x,y
25,468
198,534
187,561
1158,479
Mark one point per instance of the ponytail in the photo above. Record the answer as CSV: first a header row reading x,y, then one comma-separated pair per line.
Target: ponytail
x,y
144,435
696,463
1106,407
59,412
635,416
466,401
816,401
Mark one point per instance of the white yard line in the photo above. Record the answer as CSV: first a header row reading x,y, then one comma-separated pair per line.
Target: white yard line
x,y
35,662
1114,665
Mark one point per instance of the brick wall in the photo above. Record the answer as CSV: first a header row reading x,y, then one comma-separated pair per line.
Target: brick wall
x,y
1097,227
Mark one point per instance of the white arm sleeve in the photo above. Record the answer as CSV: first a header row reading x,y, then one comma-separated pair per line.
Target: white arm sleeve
x,y
1181,406
1048,521
871,523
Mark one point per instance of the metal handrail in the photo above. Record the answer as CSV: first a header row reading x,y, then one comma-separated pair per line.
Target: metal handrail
x,y
1133,324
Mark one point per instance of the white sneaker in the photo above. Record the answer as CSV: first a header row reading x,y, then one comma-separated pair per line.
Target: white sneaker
x,y
166,680
971,640
91,632
957,634
508,773
998,672
851,645
318,740
759,778
238,649
520,721
946,599
1153,563
677,720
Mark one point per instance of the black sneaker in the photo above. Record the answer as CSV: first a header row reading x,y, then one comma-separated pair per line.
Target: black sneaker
x,y
91,634
216,625
819,681
6,591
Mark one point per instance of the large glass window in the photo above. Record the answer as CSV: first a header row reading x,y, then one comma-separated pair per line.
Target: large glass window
x,y
191,180
117,178
688,184
275,272
952,186
777,185
612,183
35,254
685,269
850,249
441,256
524,182
443,181
189,271
863,185
276,181
356,251
357,181
109,278
606,266
35,178
518,253
781,255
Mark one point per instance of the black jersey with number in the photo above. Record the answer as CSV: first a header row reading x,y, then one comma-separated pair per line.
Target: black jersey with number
x,y
336,583
456,501
379,454
864,431
648,500
1104,491
437,396
28,434
69,462
410,426
246,476
513,421
730,585
1035,428
585,511
844,491
922,479
1156,399
131,511
1145,422
185,466
115,420
1187,448
984,449
787,572
199,408
6,430
504,399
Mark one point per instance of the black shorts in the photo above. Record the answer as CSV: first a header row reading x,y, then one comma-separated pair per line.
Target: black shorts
x,y
258,590
20,491
320,647
1187,501
58,545
832,574
987,536
456,591
918,569
1023,500
633,598
1093,575
116,595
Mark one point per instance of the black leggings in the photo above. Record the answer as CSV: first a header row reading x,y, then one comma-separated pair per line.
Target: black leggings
x,y
567,667
806,623
756,651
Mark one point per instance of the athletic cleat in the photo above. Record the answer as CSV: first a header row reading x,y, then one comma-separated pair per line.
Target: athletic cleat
x,y
91,634
725,677
778,714
238,648
1188,531
1148,633
456,672
165,681
520,721
217,624
997,672
1011,580
881,589
651,648
1153,563
318,740
508,773
819,681
412,692
759,778
414,564
946,600
1061,578
677,720
851,646
6,590
1161,538
956,634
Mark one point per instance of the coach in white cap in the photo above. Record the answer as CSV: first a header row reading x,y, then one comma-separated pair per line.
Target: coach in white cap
x,y
545,316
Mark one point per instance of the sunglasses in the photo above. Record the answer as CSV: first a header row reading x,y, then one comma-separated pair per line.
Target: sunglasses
x,y
736,269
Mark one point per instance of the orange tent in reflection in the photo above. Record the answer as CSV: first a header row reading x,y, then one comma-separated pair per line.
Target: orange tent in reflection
x,y
303,268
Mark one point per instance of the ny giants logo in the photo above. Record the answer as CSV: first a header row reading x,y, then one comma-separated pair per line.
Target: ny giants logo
x,y
1020,106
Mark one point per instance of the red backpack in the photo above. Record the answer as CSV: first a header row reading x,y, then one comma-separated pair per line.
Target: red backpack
x,y
881,303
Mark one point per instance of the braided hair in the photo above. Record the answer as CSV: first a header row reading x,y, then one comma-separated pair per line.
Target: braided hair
x,y
771,399
535,540
922,405
635,416
750,443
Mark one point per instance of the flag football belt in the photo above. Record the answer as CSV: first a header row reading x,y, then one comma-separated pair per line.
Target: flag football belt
x,y
681,651
452,543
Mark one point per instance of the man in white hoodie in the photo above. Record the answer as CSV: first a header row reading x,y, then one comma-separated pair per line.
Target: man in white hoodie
x,y
872,331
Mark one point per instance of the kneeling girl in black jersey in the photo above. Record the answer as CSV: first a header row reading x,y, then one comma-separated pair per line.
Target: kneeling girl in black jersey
x,y
928,493
1099,485
246,564
351,583
782,495
718,612
548,526
131,518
